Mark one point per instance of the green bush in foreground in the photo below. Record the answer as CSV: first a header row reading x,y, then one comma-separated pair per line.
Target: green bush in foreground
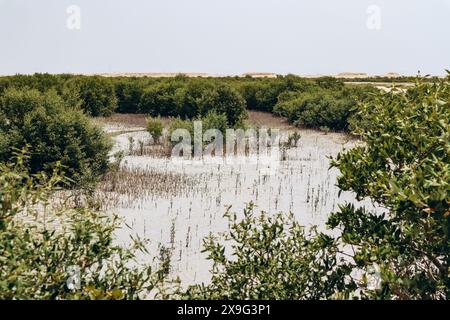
x,y
404,166
44,249
264,257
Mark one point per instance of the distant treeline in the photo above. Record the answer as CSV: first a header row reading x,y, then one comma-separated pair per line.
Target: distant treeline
x,y
321,102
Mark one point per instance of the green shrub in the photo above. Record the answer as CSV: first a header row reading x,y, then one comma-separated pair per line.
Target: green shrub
x,y
211,120
54,133
38,81
263,94
291,104
263,257
159,99
188,99
404,166
248,90
325,111
97,94
400,253
155,128
330,83
214,120
223,99
129,93
315,109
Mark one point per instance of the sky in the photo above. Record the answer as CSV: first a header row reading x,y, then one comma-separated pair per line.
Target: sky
x,y
226,37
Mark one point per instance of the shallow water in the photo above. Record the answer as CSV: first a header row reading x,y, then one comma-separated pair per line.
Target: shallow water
x,y
303,185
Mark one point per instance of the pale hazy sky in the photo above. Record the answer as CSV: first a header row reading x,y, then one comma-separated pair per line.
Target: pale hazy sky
x,y
226,36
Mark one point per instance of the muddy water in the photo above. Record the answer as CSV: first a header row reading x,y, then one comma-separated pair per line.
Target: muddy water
x,y
303,185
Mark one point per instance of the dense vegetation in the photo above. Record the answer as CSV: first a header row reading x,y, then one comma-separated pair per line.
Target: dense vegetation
x,y
96,94
315,103
272,257
54,131
405,167
155,127
192,98
331,108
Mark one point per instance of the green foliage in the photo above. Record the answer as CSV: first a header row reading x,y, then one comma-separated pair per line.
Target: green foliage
x,y
193,98
324,111
97,95
36,254
332,106
212,120
264,257
330,83
129,93
159,99
178,123
263,94
291,104
223,100
155,128
39,81
313,103
54,131
404,166
188,97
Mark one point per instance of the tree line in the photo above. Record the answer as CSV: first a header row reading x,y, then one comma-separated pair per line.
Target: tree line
x,y
325,99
